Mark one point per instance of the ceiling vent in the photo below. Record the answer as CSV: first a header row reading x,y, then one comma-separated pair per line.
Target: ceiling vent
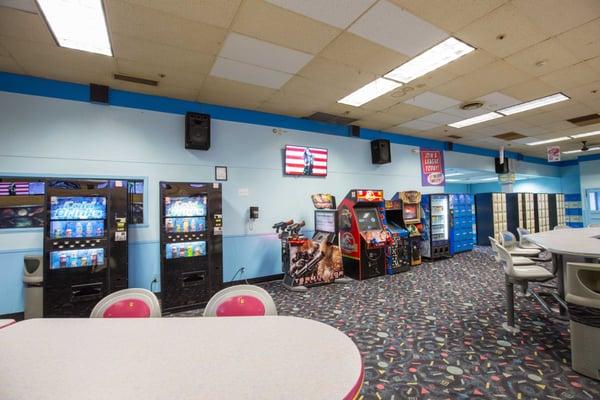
x,y
472,105
330,118
454,137
135,79
510,136
586,120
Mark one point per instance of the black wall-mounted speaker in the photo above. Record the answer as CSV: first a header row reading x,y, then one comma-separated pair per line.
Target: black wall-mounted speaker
x,y
380,151
98,93
197,131
502,168
354,130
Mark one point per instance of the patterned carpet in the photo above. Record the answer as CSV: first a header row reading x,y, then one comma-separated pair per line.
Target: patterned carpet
x,y
435,333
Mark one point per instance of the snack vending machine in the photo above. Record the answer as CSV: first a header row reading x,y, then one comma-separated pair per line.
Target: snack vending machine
x,y
462,213
542,212
436,226
191,244
363,235
85,244
556,208
490,213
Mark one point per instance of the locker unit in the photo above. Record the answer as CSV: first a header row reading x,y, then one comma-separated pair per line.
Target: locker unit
x,y
542,212
520,210
556,208
462,219
491,216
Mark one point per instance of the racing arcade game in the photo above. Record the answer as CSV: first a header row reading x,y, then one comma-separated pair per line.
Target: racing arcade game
x,y
363,236
85,244
410,213
191,244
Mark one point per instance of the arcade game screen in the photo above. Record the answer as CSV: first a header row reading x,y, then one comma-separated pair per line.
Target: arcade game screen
x,y
76,258
191,206
368,219
325,221
77,217
187,249
410,211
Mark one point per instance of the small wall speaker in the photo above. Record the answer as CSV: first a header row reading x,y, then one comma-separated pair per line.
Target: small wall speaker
x,y
380,151
502,168
98,93
197,131
354,130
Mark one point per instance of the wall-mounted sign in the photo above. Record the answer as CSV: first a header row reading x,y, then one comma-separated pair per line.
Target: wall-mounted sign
x,y
553,153
432,167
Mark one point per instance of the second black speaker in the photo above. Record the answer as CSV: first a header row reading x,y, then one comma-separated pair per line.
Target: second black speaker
x,y
197,131
380,151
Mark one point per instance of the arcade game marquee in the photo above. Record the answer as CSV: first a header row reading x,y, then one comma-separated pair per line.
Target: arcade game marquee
x,y
85,244
191,244
409,218
363,235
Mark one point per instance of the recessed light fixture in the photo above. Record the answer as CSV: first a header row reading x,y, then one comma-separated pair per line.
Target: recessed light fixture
x,y
580,135
432,59
77,24
476,120
370,91
453,180
537,103
558,139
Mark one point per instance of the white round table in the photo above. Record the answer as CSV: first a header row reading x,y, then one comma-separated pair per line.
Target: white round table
x,y
178,358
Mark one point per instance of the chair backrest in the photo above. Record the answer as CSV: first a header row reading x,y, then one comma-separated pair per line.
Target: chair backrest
x,y
493,243
560,227
128,303
583,284
503,256
508,240
240,300
522,233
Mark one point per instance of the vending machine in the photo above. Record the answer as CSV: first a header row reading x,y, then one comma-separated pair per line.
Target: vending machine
x,y
363,235
85,244
435,241
542,212
490,212
191,244
556,208
462,220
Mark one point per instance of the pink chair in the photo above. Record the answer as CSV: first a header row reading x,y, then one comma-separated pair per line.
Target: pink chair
x,y
240,301
6,322
128,303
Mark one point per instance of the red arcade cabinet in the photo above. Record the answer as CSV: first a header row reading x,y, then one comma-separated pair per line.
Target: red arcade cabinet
x,y
363,235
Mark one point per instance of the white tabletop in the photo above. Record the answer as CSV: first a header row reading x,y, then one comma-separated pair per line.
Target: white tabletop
x,y
583,242
177,358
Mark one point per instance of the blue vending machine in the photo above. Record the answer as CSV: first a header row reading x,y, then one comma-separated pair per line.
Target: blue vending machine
x,y
462,217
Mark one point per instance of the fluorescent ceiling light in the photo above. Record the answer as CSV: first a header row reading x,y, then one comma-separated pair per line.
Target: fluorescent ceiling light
x,y
488,179
454,174
558,139
78,24
580,135
476,120
581,151
453,180
370,91
530,105
432,59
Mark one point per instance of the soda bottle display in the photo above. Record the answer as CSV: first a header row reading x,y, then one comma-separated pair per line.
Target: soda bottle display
x,y
193,225
182,251
186,225
73,261
173,251
78,229
68,232
84,261
197,251
169,225
94,258
190,251
99,231
89,229
62,260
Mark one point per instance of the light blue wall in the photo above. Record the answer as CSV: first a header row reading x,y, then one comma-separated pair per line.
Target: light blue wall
x,y
457,188
485,187
570,179
50,137
590,179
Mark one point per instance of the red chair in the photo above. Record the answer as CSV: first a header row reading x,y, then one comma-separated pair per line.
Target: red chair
x,y
128,303
240,301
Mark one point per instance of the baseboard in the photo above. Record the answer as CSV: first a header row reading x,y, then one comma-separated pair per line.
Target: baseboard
x,y
251,281
20,316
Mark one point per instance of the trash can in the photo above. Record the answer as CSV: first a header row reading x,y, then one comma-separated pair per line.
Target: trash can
x,y
583,298
33,278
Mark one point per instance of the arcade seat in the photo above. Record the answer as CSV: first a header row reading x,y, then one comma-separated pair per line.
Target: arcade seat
x,y
240,301
128,303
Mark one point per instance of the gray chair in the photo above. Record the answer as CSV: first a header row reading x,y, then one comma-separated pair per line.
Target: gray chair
x,y
509,242
524,242
517,260
583,298
521,274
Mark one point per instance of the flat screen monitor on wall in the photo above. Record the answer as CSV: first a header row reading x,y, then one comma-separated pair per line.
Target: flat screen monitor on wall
x,y
309,161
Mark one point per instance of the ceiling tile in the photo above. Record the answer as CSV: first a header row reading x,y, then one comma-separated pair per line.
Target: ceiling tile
x,y
149,24
276,25
419,125
508,125
407,112
464,114
213,12
164,75
496,100
305,87
292,104
339,13
144,52
8,64
345,110
363,54
24,26
322,70
550,55
532,89
378,121
539,119
583,41
443,13
263,54
594,63
432,101
519,32
559,126
397,29
234,94
585,93
572,76
404,131
247,73
556,16
440,118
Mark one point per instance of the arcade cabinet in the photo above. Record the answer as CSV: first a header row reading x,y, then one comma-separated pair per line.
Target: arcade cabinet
x,y
410,213
398,259
85,244
462,217
191,244
363,236
436,226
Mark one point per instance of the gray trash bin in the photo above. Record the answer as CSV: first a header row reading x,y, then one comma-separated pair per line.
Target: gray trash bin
x,y
583,298
33,278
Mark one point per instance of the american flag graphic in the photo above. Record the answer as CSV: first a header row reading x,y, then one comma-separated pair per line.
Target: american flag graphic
x,y
17,188
305,161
